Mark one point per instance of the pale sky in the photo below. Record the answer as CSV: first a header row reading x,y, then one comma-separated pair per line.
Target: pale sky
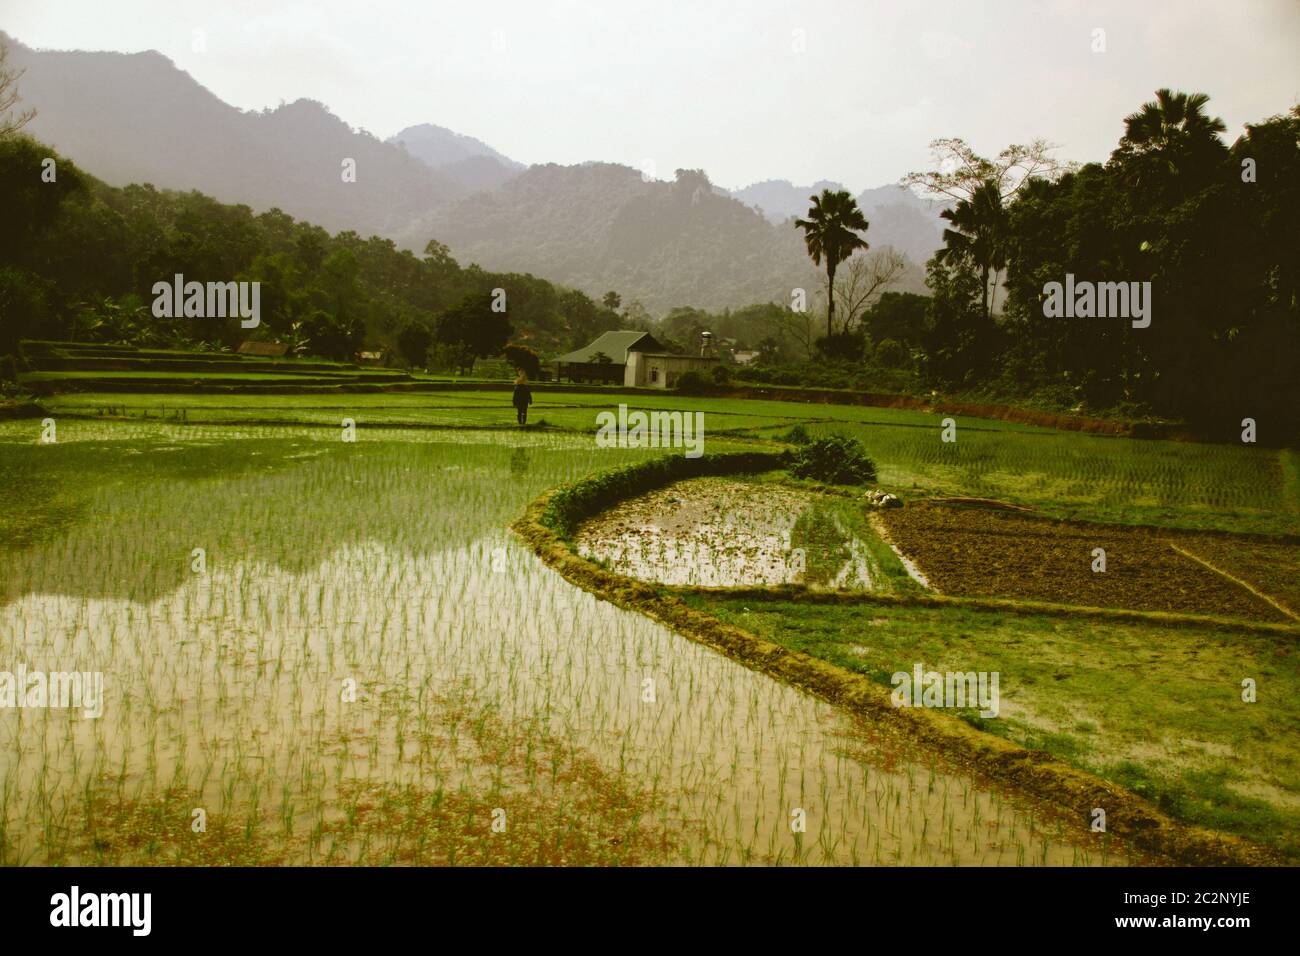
x,y
848,90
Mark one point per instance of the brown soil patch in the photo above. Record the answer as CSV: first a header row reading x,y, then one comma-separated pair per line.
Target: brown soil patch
x,y
1272,567
984,552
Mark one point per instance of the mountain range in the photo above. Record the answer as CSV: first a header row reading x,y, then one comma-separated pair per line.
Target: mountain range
x,y
471,164
593,226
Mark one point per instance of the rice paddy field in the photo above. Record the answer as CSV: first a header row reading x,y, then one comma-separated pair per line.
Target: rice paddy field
x,y
334,652
1065,474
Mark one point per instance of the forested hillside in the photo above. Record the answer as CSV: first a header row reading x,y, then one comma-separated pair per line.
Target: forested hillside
x,y
78,260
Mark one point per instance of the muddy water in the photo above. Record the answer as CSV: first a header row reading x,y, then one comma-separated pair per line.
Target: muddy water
x,y
719,532
232,684
707,532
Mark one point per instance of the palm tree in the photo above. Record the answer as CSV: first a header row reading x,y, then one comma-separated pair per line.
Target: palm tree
x,y
831,231
979,235
1175,130
1172,120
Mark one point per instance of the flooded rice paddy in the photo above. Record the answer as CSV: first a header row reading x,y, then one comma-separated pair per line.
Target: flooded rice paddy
x,y
366,667
729,532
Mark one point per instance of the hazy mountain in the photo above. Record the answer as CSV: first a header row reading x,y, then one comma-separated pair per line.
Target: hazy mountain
x,y
779,199
470,163
897,215
137,118
438,146
478,174
600,226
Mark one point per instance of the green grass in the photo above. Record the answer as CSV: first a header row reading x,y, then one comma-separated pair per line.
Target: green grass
x,y
1157,709
1062,473
306,377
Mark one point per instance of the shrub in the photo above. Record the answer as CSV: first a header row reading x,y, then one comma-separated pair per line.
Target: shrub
x,y
842,346
721,376
836,460
524,359
413,343
797,436
891,354
692,383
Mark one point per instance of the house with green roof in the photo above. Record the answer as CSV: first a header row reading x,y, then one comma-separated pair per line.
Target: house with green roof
x,y
629,358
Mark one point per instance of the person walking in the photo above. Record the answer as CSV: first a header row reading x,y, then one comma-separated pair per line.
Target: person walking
x,y
523,398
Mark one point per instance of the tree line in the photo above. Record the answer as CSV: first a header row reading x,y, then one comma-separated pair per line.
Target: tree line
x,y
79,258
1214,229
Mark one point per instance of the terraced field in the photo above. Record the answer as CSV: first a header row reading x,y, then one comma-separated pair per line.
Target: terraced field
x,y
1064,474
483,681
366,667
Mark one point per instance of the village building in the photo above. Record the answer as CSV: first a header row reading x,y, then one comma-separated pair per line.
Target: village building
x,y
634,359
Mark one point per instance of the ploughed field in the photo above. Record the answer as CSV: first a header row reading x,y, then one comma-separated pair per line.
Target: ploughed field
x,y
980,551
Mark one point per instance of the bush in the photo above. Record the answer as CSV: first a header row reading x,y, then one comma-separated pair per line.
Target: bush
x,y
836,460
797,436
891,354
721,376
692,383
413,343
842,347
524,359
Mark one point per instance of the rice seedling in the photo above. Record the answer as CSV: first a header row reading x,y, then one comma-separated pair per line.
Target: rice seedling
x,y
367,668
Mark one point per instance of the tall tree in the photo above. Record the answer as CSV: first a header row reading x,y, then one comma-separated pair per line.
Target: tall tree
x,y
961,170
978,235
831,232
1170,121
473,330
865,276
1171,140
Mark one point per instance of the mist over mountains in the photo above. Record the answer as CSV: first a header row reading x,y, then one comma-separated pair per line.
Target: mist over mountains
x,y
908,222
470,163
595,226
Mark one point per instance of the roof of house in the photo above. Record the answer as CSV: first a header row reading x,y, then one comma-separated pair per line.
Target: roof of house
x,y
614,344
